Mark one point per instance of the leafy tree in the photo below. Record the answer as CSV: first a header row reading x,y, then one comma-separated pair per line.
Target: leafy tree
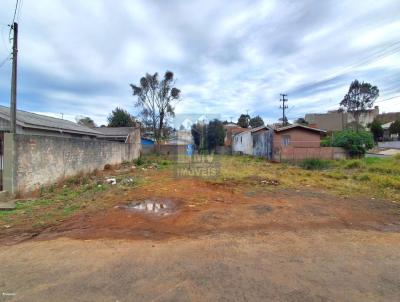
x,y
208,136
215,134
301,121
395,128
359,98
376,129
199,135
356,143
243,120
256,121
157,99
355,126
120,118
86,121
285,122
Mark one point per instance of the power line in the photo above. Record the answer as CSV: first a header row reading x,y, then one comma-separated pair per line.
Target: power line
x,y
13,20
7,48
389,49
5,61
388,99
19,10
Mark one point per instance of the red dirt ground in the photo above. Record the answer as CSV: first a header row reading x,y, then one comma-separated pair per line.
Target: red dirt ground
x,y
234,242
204,208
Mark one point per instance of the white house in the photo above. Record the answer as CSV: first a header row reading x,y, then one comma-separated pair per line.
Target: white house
x,y
243,142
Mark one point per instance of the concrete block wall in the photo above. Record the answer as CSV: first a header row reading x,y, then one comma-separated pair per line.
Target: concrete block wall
x,y
42,160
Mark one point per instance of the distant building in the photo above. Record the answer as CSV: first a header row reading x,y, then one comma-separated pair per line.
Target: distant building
x,y
180,137
147,141
386,132
297,136
388,117
120,134
265,140
230,130
37,124
336,121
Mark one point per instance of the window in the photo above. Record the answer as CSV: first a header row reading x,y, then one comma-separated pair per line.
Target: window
x,y
240,139
285,140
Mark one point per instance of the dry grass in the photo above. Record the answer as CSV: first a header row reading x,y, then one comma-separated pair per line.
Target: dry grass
x,y
369,177
372,177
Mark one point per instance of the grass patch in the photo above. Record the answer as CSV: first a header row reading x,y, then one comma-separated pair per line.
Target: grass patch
x,y
353,164
363,177
315,164
336,175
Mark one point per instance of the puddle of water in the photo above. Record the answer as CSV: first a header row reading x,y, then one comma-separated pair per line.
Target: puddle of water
x,y
151,206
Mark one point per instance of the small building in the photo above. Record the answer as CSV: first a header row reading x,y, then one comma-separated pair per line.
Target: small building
x,y
231,129
336,121
297,136
387,136
147,141
179,138
46,149
119,134
36,124
266,141
243,143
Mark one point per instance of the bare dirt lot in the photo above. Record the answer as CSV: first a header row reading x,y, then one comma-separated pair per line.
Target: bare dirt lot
x,y
237,240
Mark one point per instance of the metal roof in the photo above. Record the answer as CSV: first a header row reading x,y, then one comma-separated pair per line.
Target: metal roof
x,y
37,121
115,131
299,126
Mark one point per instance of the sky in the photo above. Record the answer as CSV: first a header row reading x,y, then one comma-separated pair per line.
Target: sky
x,y
229,57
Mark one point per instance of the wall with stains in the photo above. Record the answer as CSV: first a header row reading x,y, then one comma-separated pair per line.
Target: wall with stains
x,y
42,160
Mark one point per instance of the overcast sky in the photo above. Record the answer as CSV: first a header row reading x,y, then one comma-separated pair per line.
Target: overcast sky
x,y
78,57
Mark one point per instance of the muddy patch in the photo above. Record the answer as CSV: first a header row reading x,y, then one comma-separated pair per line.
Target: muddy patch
x,y
151,207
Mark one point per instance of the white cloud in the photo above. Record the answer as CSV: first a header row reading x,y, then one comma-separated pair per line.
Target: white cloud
x,y
228,56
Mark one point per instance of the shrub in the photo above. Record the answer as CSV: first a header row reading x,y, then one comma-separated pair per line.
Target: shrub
x,y
139,161
326,141
364,177
356,143
376,129
315,164
353,164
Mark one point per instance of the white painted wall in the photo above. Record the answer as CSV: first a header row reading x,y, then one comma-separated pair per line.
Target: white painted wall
x,y
243,143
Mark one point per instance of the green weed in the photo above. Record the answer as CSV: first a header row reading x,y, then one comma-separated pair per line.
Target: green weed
x,y
315,164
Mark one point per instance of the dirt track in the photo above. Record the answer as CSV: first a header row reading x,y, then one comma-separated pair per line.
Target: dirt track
x,y
327,265
223,243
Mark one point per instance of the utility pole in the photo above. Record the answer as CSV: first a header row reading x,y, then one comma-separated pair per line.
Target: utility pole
x,y
283,107
13,101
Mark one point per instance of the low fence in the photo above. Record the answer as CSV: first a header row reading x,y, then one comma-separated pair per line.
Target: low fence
x,y
41,160
389,145
302,153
